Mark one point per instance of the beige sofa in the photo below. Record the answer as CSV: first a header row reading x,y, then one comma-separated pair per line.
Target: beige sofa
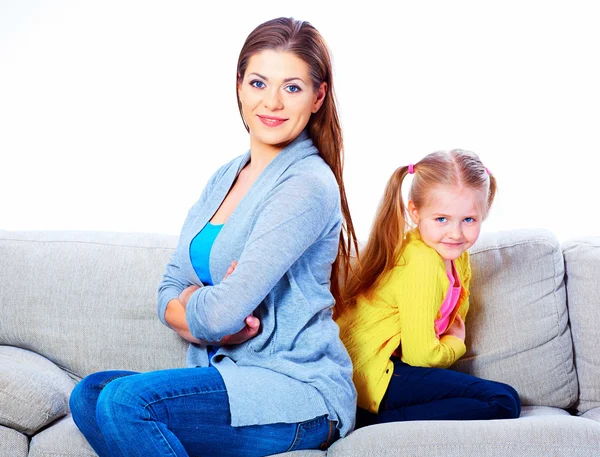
x,y
75,303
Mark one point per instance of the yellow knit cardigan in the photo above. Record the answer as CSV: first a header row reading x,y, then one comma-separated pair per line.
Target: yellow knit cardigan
x,y
402,309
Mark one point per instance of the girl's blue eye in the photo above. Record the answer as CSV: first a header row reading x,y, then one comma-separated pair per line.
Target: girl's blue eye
x,y
469,220
293,89
440,219
258,84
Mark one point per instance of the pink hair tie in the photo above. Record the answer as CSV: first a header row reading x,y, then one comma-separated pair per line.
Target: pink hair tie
x,y
411,169
487,171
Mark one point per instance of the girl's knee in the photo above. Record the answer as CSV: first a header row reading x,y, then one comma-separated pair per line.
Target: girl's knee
x,y
508,403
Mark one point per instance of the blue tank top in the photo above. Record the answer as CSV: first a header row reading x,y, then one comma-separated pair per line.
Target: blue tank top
x,y
200,248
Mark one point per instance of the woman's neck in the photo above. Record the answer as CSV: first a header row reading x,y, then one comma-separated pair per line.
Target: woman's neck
x,y
260,157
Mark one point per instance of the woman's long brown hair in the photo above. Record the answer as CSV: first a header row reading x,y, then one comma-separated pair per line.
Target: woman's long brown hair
x,y
304,41
386,240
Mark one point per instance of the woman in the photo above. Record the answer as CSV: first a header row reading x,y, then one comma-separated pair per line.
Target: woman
x,y
269,223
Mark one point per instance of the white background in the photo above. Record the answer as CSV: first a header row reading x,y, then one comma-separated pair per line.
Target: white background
x,y
113,114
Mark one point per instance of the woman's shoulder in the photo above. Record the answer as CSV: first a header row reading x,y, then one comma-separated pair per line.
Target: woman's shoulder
x,y
311,179
313,170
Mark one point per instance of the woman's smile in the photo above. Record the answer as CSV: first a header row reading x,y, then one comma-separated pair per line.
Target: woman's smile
x,y
271,121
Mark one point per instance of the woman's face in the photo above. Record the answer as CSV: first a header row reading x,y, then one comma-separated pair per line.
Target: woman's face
x,y
277,98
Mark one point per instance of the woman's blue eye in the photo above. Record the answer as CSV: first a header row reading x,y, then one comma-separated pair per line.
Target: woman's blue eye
x,y
293,89
440,219
258,84
469,220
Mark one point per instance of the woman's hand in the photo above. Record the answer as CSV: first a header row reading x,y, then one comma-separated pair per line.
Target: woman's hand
x,y
175,317
184,296
457,328
248,332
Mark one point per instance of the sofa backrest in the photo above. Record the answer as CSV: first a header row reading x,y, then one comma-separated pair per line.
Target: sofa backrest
x,y
518,327
582,260
87,300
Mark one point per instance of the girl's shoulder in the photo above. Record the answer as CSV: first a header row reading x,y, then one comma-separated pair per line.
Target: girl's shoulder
x,y
418,260
415,251
463,266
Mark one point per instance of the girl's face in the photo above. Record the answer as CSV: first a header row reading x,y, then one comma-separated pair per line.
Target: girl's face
x,y
450,220
277,98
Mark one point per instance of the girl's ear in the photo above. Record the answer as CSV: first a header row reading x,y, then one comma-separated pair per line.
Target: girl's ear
x,y
413,213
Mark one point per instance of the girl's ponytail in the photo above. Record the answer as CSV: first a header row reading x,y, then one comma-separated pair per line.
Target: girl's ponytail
x,y
384,244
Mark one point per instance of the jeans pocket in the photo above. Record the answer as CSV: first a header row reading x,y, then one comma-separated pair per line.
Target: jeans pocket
x,y
318,433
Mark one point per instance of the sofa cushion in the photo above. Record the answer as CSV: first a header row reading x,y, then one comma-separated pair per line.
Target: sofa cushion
x,y
61,439
305,453
592,414
87,300
582,260
13,443
535,436
33,391
517,326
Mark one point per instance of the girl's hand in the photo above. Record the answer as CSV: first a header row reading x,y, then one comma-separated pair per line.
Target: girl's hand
x,y
457,328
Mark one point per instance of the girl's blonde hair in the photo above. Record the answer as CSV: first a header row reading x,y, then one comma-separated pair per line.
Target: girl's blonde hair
x,y
453,168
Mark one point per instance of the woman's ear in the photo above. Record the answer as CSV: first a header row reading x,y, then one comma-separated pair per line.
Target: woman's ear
x,y
413,213
320,97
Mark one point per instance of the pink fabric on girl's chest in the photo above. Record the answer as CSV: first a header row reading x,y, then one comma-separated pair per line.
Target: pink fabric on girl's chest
x,y
441,324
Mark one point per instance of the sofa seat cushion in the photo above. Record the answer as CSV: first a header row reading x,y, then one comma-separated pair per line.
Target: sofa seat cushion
x,y
582,260
531,411
517,326
555,435
13,443
592,414
33,391
62,438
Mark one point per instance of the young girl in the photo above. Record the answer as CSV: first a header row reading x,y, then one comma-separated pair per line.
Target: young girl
x,y
406,303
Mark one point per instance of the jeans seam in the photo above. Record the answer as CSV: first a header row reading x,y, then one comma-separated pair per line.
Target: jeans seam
x,y
327,442
297,437
109,380
170,397
164,438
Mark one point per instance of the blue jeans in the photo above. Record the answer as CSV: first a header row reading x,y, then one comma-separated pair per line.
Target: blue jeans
x,y
179,412
418,393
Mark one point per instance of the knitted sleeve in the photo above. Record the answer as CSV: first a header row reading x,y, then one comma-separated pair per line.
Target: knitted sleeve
x,y
173,281
465,279
292,217
417,288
